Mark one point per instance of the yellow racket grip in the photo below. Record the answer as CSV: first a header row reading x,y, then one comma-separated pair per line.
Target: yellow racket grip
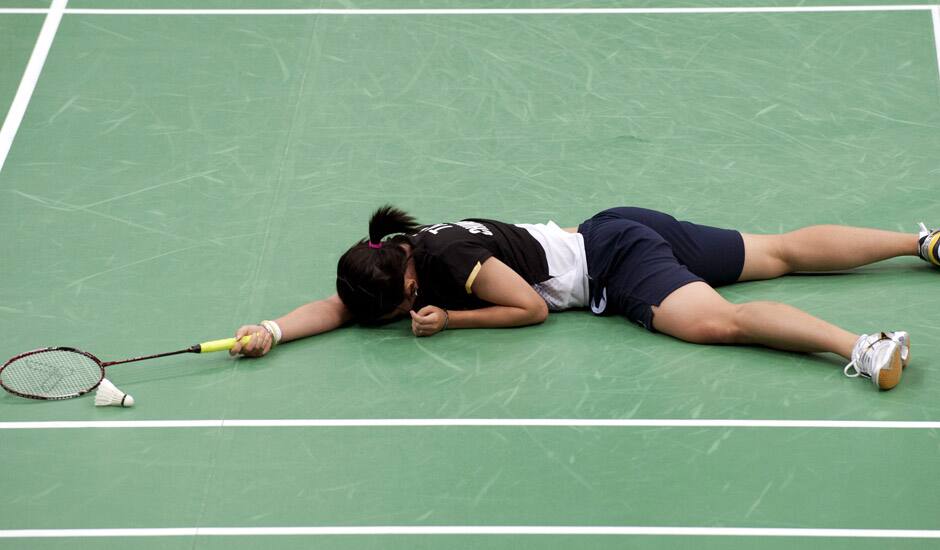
x,y
221,345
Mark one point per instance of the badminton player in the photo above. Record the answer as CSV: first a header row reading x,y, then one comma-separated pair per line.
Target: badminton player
x,y
640,264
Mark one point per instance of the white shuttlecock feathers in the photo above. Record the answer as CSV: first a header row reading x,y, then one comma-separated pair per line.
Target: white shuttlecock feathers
x,y
108,395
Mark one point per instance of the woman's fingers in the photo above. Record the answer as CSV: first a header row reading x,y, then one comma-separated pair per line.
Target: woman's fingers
x,y
237,348
264,344
259,344
252,346
427,310
427,321
418,324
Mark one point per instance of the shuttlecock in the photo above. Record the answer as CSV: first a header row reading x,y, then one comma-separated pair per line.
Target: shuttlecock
x,y
109,395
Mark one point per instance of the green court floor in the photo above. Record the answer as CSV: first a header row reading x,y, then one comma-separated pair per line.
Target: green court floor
x,y
176,176
17,34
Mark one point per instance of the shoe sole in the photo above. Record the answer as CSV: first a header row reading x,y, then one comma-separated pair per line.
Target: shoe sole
x,y
906,352
904,342
890,377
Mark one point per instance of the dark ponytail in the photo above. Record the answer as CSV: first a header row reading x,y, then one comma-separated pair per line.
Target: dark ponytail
x,y
370,277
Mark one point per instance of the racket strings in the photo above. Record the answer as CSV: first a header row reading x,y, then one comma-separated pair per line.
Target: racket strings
x,y
52,374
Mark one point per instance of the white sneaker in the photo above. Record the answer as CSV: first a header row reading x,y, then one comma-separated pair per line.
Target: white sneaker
x,y
904,340
929,244
878,358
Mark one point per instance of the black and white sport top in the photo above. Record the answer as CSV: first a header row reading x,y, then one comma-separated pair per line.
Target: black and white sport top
x,y
450,255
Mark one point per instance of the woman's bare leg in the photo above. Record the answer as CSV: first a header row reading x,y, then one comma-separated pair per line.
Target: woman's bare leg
x,y
821,248
696,313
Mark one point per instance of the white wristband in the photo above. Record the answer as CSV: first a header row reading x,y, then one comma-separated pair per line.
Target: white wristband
x,y
275,331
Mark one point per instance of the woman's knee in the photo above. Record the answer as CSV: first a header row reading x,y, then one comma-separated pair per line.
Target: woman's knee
x,y
697,313
721,327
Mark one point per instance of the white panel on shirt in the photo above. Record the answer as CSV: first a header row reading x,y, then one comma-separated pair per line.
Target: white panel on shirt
x,y
567,265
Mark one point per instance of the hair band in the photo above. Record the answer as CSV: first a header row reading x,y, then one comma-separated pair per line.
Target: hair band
x,y
375,246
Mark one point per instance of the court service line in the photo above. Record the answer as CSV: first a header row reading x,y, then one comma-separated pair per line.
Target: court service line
x,y
476,530
476,11
30,76
471,423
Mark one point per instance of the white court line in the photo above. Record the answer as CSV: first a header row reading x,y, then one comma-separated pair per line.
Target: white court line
x,y
936,33
475,530
496,11
487,11
30,77
471,423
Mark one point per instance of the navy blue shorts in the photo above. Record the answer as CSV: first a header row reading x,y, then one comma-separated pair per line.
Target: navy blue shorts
x,y
636,257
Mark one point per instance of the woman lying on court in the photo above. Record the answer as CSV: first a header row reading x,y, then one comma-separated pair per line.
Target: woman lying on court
x,y
642,264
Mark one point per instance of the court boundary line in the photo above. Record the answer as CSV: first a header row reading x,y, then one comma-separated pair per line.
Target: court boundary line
x,y
935,15
470,423
474,530
478,11
24,92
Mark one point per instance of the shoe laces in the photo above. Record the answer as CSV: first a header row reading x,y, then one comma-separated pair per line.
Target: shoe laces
x,y
860,356
851,366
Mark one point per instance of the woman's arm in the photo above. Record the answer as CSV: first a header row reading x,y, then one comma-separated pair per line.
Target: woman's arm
x,y
314,318
307,320
515,304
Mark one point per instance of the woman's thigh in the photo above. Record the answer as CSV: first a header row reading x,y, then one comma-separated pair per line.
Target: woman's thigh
x,y
714,254
763,258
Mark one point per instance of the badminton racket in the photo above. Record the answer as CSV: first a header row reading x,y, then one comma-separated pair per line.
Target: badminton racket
x,y
63,373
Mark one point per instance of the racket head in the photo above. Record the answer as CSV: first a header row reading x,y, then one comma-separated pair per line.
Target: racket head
x,y
51,373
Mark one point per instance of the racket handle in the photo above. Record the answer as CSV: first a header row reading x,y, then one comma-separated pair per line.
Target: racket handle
x,y
220,345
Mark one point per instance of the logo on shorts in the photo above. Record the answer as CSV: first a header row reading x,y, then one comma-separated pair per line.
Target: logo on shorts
x,y
598,307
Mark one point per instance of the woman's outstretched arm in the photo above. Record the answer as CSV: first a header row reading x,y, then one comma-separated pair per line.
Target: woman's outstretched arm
x,y
307,320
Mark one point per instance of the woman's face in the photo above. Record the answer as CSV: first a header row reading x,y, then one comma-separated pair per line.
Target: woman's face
x,y
410,290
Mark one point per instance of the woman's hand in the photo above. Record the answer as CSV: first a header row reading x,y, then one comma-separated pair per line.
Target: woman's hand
x,y
428,321
260,343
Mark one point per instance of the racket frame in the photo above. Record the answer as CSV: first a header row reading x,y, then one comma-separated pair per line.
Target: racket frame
x,y
101,367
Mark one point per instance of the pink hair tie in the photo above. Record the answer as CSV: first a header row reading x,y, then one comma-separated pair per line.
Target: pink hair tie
x,y
373,245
